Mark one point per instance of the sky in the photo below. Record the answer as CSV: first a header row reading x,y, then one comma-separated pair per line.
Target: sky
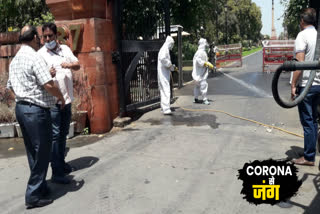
x,y
266,10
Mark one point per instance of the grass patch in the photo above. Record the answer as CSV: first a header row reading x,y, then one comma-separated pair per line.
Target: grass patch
x,y
246,53
187,68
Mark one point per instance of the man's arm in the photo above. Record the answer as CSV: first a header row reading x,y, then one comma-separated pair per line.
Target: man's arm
x,y
52,89
296,75
73,60
71,65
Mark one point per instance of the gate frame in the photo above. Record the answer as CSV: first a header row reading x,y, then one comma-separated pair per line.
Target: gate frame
x,y
139,47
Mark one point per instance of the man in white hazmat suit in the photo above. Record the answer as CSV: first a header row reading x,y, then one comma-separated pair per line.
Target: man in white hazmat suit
x,y
164,68
200,73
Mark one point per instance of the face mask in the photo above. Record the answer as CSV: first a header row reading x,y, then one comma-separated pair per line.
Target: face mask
x,y
51,45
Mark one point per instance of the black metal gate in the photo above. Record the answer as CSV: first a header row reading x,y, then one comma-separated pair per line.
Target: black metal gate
x,y
143,26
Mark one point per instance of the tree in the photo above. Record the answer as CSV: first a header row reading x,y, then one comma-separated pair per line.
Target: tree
x,y
14,14
291,15
242,17
281,36
237,20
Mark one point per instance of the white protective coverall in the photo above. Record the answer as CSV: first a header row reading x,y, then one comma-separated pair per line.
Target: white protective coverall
x,y
200,73
164,68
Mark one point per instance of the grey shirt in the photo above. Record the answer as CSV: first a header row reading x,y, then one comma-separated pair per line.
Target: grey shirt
x,y
306,43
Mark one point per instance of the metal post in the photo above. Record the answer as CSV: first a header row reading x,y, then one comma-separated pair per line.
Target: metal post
x,y
120,77
180,81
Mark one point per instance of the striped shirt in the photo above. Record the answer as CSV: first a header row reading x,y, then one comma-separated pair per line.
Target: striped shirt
x,y
28,72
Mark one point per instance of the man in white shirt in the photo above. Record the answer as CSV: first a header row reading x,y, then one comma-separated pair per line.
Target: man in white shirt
x,y
305,45
60,60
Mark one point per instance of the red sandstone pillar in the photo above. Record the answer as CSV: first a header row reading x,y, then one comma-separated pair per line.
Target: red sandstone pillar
x,y
92,36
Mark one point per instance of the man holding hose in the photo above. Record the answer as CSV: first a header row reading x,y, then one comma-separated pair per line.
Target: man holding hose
x,y
305,45
200,72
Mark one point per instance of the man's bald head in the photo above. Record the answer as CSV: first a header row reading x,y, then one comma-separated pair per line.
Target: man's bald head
x,y
27,34
24,29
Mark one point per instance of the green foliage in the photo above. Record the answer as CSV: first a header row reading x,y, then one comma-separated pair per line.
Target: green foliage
x,y
251,13
47,17
212,19
85,131
246,52
291,15
266,37
189,49
140,18
191,14
14,14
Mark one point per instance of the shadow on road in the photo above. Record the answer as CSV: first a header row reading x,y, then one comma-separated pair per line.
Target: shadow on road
x,y
59,190
294,152
83,162
314,206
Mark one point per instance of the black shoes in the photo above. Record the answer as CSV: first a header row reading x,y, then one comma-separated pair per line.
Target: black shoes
x,y
40,203
197,101
60,180
67,169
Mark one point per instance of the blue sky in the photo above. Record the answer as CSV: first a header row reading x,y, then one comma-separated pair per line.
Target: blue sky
x,y
266,10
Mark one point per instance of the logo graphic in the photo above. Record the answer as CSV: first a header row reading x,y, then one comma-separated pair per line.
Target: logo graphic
x,y
269,181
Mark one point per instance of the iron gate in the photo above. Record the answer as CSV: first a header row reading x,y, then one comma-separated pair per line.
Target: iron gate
x,y
142,32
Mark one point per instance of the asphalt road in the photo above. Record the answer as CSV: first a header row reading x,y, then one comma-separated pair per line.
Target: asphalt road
x,y
185,163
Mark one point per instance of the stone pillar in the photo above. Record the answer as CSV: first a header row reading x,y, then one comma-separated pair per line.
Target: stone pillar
x,y
273,29
88,26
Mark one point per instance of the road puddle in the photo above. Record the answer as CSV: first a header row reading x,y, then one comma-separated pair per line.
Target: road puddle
x,y
13,147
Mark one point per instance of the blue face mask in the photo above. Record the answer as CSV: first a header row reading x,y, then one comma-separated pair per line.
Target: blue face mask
x,y
51,45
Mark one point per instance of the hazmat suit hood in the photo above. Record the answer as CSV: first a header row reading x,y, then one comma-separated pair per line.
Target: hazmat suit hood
x,y
169,42
203,44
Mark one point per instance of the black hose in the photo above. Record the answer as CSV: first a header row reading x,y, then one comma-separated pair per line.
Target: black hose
x,y
292,66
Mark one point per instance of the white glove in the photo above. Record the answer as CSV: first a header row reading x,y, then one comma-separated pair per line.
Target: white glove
x,y
172,67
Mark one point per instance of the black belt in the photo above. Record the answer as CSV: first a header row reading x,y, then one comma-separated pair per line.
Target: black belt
x,y
30,104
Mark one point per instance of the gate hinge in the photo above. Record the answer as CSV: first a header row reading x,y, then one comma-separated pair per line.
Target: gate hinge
x,y
115,57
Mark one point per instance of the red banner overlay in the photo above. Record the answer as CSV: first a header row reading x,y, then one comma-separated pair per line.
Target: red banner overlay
x,y
276,52
229,56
